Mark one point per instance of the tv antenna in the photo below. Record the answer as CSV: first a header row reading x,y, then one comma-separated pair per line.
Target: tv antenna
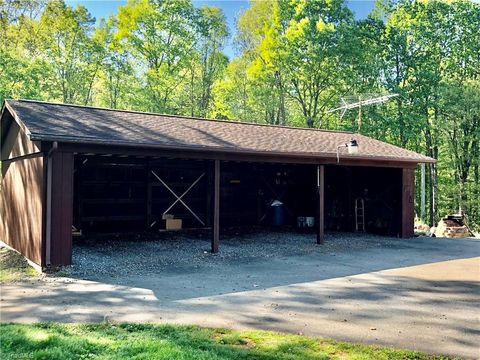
x,y
353,102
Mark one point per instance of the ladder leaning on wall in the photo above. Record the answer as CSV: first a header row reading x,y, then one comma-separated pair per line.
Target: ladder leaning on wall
x,y
359,214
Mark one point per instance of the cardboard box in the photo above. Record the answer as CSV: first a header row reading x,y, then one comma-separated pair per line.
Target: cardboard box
x,y
173,224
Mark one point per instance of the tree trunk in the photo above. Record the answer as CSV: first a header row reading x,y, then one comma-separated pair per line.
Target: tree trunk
x,y
434,192
431,151
310,121
282,118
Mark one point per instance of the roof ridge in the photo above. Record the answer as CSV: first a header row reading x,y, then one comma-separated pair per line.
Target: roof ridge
x,y
233,121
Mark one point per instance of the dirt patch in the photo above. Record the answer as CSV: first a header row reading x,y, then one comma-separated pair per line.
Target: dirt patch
x,y
14,266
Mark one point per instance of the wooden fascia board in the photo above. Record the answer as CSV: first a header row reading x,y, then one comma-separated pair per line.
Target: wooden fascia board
x,y
229,156
16,118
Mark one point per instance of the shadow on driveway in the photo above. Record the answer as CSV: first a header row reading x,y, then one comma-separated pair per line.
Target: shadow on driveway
x,y
418,293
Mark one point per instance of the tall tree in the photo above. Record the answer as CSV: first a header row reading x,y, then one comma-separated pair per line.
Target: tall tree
x,y
459,112
69,48
232,93
161,35
426,35
259,32
117,75
314,53
210,62
23,72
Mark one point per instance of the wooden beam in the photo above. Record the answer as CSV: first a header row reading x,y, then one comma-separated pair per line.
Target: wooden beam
x,y
216,207
321,204
7,146
282,158
408,195
34,155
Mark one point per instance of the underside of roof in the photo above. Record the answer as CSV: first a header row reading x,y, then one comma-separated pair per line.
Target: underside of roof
x,y
88,125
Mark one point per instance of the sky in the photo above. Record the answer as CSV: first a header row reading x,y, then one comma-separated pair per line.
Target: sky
x,y
231,9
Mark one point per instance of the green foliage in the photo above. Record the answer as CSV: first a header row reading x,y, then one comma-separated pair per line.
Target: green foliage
x,y
459,123
70,50
295,59
161,35
117,82
146,341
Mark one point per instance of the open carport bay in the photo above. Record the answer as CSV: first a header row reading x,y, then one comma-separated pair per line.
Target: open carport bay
x,y
421,294
114,194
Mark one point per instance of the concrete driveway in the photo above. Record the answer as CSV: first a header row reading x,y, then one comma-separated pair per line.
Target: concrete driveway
x,y
420,294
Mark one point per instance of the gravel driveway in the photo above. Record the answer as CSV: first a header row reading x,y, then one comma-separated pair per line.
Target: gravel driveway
x,y
418,293
147,254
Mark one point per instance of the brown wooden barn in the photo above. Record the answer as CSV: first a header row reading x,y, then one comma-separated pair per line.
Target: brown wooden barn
x,y
101,170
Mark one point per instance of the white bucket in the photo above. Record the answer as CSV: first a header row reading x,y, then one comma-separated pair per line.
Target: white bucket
x,y
310,221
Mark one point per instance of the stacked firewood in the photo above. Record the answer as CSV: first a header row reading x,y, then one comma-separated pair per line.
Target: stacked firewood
x,y
452,226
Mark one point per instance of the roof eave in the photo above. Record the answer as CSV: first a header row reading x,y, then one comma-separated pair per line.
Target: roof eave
x,y
208,149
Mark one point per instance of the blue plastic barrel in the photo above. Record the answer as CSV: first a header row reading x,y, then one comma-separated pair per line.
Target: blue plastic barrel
x,y
278,215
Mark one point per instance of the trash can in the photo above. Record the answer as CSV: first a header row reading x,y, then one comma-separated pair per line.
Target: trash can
x,y
278,213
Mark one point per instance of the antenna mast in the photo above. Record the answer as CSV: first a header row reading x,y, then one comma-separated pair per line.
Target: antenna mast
x,y
352,102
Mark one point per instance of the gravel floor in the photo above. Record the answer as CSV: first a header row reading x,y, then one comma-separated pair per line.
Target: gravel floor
x,y
115,255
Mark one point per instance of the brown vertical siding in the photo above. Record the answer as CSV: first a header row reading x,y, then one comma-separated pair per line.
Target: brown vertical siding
x,y
21,201
408,194
61,208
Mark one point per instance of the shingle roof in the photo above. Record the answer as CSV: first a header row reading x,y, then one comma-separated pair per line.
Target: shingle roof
x,y
72,123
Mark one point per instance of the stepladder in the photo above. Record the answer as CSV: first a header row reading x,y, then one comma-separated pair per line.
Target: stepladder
x,y
359,214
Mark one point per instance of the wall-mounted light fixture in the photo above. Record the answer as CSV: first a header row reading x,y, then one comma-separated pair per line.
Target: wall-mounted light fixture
x,y
352,148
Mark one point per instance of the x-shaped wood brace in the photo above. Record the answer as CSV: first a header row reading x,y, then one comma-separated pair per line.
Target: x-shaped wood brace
x,y
179,198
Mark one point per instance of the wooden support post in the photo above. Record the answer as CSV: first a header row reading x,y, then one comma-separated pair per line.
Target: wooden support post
x,y
216,207
78,201
61,209
148,184
208,192
321,201
422,193
408,194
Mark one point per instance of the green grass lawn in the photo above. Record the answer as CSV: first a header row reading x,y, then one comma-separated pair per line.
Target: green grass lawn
x,y
134,341
13,266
